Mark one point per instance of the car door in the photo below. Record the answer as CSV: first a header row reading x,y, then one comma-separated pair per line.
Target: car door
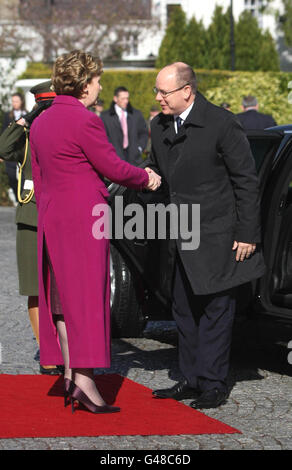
x,y
137,264
264,147
274,290
145,256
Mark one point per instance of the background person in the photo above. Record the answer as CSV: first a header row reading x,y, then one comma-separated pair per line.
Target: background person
x,y
18,110
74,280
13,148
125,127
97,107
204,158
251,118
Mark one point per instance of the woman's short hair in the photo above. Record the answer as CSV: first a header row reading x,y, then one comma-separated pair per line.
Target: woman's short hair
x,y
73,71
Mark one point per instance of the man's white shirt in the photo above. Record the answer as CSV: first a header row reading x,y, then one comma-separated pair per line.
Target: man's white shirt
x,y
119,111
183,116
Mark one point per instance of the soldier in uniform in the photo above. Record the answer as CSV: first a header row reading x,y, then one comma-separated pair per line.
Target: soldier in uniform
x,y
14,146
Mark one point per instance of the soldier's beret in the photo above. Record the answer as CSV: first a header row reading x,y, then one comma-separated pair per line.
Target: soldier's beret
x,y
43,91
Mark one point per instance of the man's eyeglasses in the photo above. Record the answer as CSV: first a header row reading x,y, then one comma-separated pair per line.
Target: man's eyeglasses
x,y
166,93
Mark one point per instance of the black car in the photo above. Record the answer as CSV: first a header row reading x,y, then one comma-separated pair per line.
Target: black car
x,y
138,288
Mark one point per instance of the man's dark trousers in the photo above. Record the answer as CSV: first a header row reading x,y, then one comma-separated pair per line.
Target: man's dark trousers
x,y
204,324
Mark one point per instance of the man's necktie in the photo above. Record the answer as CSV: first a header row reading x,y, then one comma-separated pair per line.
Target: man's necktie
x,y
178,123
124,126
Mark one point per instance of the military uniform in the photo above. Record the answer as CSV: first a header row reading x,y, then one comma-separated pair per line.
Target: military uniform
x,y
12,148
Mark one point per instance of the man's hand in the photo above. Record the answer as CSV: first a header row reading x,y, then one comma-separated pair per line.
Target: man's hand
x,y
21,122
243,250
37,110
154,180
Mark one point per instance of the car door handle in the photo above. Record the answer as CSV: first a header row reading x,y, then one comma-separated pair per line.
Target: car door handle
x,y
141,242
281,205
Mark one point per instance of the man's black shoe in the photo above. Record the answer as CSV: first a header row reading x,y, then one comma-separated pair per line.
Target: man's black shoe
x,y
210,399
179,391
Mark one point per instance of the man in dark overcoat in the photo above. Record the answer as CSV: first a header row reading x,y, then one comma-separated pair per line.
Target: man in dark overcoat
x,y
204,158
126,127
251,118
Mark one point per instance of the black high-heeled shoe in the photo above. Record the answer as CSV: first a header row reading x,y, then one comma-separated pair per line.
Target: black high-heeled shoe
x,y
78,395
68,388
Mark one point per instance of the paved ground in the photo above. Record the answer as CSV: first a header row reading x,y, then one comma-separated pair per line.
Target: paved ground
x,y
260,403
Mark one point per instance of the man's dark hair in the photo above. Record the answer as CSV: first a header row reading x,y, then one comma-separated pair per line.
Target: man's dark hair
x,y
119,89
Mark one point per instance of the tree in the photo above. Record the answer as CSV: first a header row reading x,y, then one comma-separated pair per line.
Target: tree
x,y
255,50
286,21
268,55
11,43
218,40
93,25
10,49
172,47
8,77
194,42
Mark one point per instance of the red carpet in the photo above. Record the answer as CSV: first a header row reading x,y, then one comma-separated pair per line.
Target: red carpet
x,y
32,406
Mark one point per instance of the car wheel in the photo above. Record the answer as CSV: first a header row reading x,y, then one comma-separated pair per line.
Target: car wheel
x,y
126,317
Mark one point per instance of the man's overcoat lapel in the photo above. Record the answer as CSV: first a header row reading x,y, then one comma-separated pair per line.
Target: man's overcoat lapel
x,y
174,142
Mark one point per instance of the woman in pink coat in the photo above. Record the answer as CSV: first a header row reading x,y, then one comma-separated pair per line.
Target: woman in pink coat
x,y
70,156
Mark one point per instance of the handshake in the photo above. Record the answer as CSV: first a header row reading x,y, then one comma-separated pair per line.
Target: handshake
x,y
154,180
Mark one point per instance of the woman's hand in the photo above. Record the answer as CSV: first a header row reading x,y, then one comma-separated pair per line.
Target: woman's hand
x,y
154,180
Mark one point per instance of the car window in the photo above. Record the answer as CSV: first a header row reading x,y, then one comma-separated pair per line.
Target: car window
x,y
260,149
264,145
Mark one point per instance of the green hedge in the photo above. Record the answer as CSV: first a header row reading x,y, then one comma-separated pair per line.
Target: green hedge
x,y
37,70
271,89
139,84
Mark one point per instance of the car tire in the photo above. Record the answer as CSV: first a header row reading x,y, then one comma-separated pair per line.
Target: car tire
x,y
127,320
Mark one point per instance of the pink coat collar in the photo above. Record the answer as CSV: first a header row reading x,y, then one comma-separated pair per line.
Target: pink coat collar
x,y
67,99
